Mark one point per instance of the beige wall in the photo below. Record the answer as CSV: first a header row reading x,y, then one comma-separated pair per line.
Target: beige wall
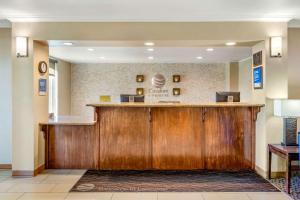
x,y
170,31
294,62
259,96
23,117
277,88
64,87
40,109
23,99
245,79
234,76
28,108
5,96
268,128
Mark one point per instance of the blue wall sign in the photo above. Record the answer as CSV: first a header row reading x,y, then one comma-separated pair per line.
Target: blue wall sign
x,y
258,77
42,87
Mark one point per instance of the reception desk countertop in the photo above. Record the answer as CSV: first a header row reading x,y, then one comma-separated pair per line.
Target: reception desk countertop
x,y
69,120
234,104
78,120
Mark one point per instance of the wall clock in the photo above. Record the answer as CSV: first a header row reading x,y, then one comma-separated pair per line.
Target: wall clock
x,y
43,67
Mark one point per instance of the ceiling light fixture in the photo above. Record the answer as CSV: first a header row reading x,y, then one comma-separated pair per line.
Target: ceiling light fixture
x,y
102,57
90,49
199,57
209,49
149,43
150,49
68,43
150,57
230,43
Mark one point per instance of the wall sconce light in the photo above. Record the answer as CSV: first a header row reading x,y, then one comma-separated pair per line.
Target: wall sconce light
x,y
139,78
140,91
276,46
176,91
21,46
176,78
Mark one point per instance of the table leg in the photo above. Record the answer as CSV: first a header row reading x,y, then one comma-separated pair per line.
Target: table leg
x,y
270,164
288,175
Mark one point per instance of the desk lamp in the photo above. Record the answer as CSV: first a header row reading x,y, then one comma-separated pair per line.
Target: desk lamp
x,y
289,110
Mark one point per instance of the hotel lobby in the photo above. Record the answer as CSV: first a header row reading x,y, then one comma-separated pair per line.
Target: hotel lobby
x,y
134,100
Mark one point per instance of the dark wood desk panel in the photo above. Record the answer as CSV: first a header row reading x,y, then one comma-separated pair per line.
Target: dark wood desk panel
x,y
228,138
125,138
156,136
72,147
177,138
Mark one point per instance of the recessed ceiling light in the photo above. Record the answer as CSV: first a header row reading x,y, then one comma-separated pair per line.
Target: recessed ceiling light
x,y
150,49
199,57
149,43
68,43
102,57
150,57
230,43
209,49
90,49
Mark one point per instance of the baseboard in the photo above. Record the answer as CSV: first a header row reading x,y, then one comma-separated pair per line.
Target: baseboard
x,y
22,173
5,166
39,170
264,173
260,171
28,173
277,174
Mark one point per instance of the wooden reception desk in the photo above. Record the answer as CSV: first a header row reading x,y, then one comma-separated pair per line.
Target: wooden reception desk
x,y
156,136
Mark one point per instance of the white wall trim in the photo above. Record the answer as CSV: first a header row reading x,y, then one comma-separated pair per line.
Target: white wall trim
x,y
120,18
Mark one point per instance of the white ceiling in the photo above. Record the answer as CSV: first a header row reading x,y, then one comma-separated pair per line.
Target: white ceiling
x,y
149,10
140,54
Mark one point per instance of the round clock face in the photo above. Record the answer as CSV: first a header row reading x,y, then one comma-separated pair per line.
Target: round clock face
x,y
43,67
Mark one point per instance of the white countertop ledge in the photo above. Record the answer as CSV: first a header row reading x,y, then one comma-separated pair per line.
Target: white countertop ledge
x,y
223,104
69,120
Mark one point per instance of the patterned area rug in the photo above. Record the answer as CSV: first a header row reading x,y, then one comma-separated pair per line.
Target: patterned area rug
x,y
172,181
295,186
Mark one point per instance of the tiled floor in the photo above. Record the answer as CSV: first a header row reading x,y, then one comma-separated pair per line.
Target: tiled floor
x,y
55,184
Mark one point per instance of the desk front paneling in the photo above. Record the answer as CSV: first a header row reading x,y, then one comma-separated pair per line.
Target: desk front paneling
x,y
164,138
73,147
228,138
125,138
177,138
